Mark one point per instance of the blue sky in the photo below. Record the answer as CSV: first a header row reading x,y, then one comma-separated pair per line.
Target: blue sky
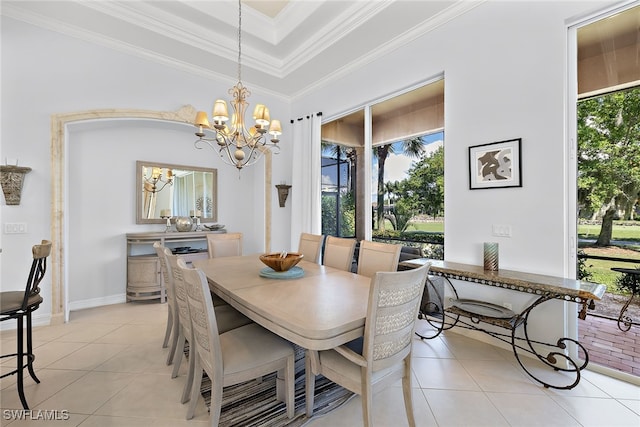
x,y
397,165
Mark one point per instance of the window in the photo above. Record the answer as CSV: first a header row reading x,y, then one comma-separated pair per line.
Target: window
x,y
342,139
406,132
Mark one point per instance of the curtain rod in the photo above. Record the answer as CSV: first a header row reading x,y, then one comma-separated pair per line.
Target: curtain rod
x,y
308,117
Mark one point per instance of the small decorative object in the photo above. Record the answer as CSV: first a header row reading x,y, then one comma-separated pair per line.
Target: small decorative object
x,y
12,178
184,223
168,226
294,272
495,165
214,227
196,218
204,204
491,256
283,193
281,261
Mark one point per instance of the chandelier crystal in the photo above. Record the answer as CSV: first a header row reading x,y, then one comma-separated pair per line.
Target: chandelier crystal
x,y
238,146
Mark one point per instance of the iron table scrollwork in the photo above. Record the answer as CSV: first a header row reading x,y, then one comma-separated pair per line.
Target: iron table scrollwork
x,y
473,314
625,321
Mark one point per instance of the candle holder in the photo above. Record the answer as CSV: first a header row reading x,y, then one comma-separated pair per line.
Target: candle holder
x,y
491,256
168,226
196,221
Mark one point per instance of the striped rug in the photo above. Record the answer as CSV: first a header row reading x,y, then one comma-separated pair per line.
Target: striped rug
x,y
254,403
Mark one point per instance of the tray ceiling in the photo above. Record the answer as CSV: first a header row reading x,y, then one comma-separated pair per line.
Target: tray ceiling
x,y
288,47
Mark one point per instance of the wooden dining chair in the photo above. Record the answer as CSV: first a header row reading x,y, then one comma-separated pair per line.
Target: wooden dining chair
x,y
383,355
19,305
338,252
310,246
224,244
171,331
228,319
377,256
233,357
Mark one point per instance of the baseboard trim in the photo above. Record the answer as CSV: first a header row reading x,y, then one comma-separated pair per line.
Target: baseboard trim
x,y
46,319
97,302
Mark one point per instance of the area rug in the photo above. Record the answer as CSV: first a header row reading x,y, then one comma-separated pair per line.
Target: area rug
x,y
254,403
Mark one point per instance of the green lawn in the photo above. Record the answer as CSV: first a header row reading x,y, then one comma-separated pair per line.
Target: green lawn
x,y
434,227
600,269
620,232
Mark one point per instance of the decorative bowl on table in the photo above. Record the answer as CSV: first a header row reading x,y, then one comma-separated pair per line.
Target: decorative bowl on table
x,y
278,262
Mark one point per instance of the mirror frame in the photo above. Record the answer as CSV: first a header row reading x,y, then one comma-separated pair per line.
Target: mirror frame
x,y
139,187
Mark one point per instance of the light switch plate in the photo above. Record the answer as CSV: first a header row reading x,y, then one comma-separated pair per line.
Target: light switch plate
x,y
500,230
15,228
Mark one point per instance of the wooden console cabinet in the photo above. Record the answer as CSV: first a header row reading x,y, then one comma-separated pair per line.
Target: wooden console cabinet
x,y
144,275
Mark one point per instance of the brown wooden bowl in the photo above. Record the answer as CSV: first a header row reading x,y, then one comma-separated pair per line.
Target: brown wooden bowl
x,y
278,263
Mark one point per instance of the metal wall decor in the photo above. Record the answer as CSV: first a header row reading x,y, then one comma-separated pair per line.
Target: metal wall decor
x,y
12,179
283,193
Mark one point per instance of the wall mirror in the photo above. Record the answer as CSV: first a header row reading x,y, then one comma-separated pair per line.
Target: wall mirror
x,y
165,190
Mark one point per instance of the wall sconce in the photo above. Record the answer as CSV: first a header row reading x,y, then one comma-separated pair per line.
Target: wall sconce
x,y
11,179
283,193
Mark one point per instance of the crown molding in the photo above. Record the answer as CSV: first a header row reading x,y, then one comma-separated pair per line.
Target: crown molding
x,y
438,20
152,19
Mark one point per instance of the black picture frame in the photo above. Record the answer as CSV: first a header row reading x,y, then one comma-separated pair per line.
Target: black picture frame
x,y
496,165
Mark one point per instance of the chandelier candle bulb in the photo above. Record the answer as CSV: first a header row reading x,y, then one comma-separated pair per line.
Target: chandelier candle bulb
x,y
491,256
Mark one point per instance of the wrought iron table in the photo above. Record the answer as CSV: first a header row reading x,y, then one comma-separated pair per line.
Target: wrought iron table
x,y
473,314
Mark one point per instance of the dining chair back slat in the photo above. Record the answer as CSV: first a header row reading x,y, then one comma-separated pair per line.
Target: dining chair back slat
x,y
377,256
310,246
224,244
338,252
173,320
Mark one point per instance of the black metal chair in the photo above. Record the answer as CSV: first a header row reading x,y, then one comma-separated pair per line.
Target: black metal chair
x,y
19,305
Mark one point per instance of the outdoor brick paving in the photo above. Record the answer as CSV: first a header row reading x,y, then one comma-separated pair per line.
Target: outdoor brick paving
x,y
609,346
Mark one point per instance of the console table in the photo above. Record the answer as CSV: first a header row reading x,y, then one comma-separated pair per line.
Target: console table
x,y
473,314
144,275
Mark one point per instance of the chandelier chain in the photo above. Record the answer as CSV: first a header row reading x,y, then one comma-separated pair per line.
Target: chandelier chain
x,y
239,40
237,145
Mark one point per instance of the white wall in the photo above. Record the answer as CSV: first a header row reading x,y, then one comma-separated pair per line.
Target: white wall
x,y
45,73
504,69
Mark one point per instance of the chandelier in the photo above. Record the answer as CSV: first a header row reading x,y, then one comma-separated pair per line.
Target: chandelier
x,y
238,146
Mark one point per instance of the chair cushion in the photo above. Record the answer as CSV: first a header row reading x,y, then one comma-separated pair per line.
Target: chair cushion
x,y
11,301
251,346
229,318
334,361
356,345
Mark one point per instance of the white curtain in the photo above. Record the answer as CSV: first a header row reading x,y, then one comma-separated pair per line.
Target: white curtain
x,y
182,195
305,183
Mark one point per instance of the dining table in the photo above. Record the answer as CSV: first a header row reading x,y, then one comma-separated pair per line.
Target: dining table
x,y
319,309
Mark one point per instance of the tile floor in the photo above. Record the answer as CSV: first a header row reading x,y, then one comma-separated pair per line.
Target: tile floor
x,y
106,367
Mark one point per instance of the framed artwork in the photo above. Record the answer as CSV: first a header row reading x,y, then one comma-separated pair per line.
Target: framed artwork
x,y
495,165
